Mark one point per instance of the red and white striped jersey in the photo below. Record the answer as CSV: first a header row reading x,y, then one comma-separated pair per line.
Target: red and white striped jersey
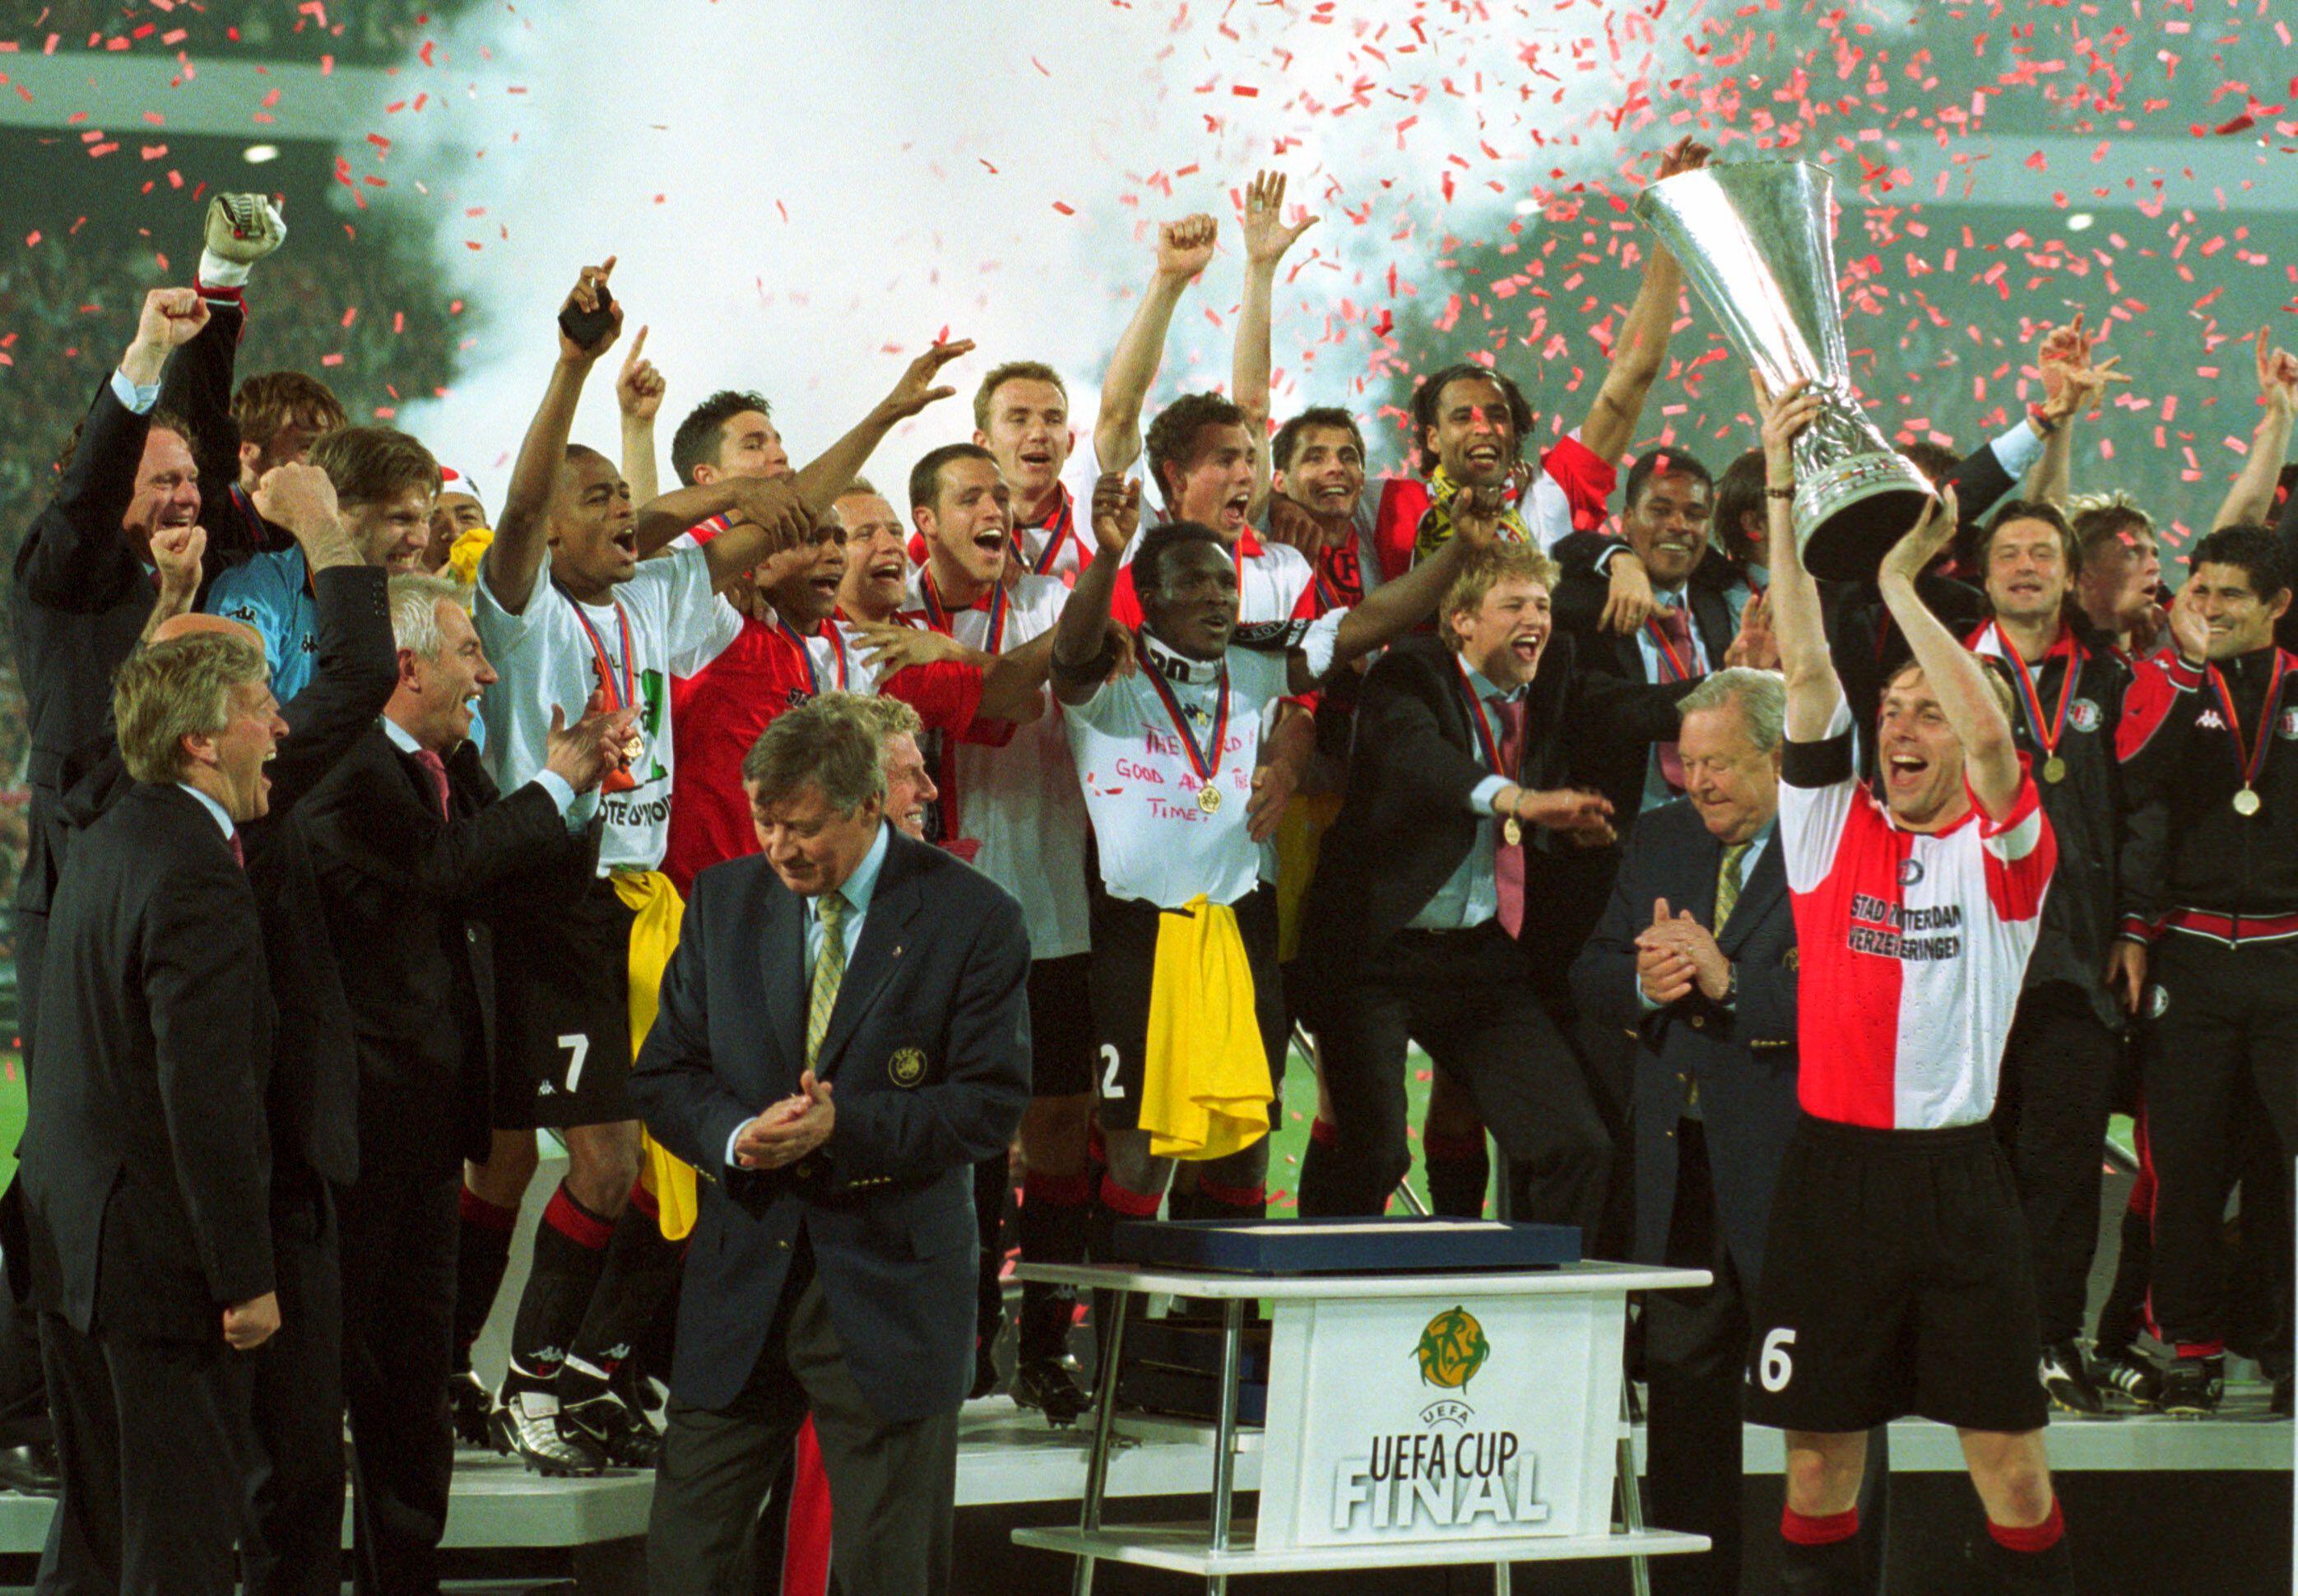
x,y
1913,945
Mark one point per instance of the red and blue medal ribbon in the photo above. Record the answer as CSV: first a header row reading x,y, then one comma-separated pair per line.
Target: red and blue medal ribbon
x,y
619,695
1479,723
938,616
1678,669
2048,729
2251,759
806,654
1060,527
1205,769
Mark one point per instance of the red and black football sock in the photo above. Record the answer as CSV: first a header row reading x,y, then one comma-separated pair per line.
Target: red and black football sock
x,y
570,1254
481,1255
1460,1170
640,1273
1056,1211
1820,1556
2033,1561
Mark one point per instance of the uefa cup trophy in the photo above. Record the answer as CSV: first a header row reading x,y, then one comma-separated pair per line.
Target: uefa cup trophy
x,y
1755,239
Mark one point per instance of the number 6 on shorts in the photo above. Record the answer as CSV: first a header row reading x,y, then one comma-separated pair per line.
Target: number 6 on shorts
x,y
1774,1366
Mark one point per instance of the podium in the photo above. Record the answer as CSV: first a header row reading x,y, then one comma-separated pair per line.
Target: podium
x,y
1413,1419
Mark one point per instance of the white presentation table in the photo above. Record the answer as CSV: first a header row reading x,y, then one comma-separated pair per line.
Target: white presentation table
x,y
1332,1345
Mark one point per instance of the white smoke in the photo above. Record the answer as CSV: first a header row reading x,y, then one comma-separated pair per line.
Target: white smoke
x,y
802,197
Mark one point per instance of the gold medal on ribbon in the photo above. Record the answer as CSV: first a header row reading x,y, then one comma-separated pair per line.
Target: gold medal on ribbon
x,y
2250,761
1209,798
1512,831
2054,770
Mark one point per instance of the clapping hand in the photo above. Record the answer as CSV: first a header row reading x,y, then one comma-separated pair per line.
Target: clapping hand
x,y
789,1129
587,752
1676,954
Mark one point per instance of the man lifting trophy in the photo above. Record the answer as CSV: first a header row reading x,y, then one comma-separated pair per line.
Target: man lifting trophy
x,y
1755,238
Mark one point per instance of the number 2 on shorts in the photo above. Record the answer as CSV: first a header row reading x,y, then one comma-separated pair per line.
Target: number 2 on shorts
x,y
1109,1085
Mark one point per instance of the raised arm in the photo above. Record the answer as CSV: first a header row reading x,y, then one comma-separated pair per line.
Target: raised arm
x,y
1813,689
1081,635
2251,499
1957,680
1266,237
1394,608
2073,386
1640,350
1184,247
639,389
523,530
73,552
821,480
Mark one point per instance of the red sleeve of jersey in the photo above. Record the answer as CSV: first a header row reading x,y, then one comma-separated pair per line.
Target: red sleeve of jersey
x,y
2020,851
1586,477
1124,604
1403,501
947,696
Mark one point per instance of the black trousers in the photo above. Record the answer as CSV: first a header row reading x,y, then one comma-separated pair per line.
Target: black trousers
x,y
294,1478
2226,1036
399,1229
2050,1115
23,1387
893,1486
1464,997
153,1438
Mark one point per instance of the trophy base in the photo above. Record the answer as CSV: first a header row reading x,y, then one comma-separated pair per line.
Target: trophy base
x,y
1851,513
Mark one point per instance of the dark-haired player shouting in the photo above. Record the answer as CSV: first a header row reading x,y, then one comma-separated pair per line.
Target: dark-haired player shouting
x,y
1186,1010
1896,1278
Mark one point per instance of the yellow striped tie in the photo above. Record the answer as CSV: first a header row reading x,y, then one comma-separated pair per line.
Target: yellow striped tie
x,y
1727,884
828,969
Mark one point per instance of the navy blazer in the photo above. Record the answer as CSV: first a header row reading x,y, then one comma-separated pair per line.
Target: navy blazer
x,y
1743,1057
146,1154
927,1059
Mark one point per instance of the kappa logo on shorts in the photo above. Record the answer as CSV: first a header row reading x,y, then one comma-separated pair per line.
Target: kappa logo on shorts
x,y
2158,1002
2084,716
1910,871
2287,728
907,1067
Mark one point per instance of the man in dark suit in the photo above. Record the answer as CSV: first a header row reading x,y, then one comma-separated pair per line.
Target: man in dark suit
x,y
294,1472
411,844
843,1034
145,1164
1455,806
1695,959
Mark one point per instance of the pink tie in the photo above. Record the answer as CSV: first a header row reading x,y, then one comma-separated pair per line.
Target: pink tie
x,y
238,854
436,769
1676,625
1508,863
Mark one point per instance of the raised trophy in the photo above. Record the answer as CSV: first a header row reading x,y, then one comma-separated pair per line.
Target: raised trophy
x,y
1755,239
